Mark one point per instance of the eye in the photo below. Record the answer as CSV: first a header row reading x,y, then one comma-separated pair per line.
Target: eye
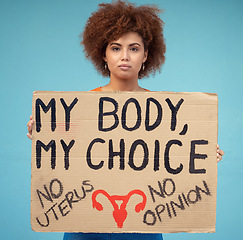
x,y
134,49
115,49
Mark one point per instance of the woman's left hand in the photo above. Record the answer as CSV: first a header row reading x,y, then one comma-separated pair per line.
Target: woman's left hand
x,y
220,154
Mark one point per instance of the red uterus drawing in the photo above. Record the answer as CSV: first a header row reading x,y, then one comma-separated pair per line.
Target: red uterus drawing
x,y
119,213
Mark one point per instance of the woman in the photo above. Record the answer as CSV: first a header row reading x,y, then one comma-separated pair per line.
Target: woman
x,y
125,43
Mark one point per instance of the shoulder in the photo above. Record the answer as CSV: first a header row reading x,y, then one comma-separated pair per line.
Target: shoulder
x,y
98,89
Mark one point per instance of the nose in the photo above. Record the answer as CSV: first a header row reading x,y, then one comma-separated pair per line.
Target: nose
x,y
125,55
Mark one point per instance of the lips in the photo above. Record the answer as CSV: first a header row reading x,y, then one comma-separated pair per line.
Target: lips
x,y
124,67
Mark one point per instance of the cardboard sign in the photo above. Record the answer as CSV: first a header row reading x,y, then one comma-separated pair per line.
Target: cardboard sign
x,y
124,162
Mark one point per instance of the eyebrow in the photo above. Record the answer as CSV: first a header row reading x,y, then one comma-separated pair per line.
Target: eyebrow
x,y
132,44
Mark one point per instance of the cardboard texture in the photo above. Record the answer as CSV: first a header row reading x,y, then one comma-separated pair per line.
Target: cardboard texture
x,y
124,162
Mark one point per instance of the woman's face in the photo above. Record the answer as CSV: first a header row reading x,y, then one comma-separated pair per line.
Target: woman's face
x,y
125,56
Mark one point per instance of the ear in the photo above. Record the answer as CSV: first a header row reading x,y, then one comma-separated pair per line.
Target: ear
x,y
145,56
105,58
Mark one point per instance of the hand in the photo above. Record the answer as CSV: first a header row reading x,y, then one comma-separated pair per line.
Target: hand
x,y
29,126
220,154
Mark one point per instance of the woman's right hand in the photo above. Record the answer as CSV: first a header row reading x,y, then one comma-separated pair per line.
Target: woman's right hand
x,y
29,126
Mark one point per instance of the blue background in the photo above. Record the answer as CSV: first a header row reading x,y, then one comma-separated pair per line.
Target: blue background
x,y
39,50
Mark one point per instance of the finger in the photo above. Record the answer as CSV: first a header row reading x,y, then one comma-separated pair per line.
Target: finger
x,y
219,157
30,123
30,127
29,136
221,152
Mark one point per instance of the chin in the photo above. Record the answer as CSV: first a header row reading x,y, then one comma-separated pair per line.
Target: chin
x,y
127,77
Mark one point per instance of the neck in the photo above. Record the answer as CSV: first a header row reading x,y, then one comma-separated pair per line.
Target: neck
x,y
122,85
